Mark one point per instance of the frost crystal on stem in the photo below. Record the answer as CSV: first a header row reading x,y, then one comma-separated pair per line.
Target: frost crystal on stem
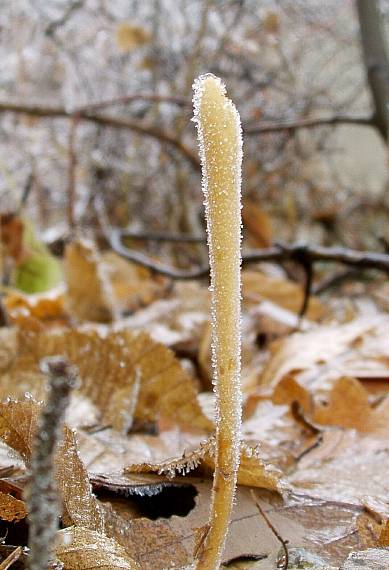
x,y
220,141
42,494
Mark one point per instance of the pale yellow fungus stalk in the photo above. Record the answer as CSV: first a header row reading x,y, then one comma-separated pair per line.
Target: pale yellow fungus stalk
x,y
220,142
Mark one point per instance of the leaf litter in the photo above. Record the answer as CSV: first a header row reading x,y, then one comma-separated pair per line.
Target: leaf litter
x,y
314,430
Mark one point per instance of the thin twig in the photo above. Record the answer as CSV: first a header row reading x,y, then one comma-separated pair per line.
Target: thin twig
x,y
283,542
335,280
42,495
126,99
164,237
308,124
72,165
106,121
299,253
13,557
86,114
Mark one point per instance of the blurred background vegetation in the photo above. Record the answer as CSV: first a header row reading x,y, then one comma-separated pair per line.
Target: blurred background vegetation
x,y
95,108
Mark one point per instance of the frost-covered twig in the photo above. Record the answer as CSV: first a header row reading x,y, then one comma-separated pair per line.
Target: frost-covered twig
x,y
42,494
220,141
298,252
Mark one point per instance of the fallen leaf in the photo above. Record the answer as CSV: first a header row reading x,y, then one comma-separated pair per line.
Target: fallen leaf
x,y
154,545
34,269
316,358
347,468
348,406
84,549
271,22
89,295
132,286
127,484
176,322
258,286
257,223
80,506
47,307
252,470
125,375
109,451
317,526
281,437
11,509
383,539
131,36
18,422
371,559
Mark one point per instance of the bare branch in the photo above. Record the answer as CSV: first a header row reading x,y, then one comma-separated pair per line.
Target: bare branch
x,y
376,61
107,121
42,498
86,113
300,253
307,124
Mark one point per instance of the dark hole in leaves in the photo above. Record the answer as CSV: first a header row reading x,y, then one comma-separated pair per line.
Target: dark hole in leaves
x,y
15,533
245,558
172,500
261,339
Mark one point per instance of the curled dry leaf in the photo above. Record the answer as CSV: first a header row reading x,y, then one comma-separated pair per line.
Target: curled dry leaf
x,y
131,36
154,545
109,451
315,359
176,322
47,307
89,295
11,509
80,506
18,421
283,437
258,286
252,470
346,468
370,559
348,406
84,549
129,484
124,374
257,224
133,286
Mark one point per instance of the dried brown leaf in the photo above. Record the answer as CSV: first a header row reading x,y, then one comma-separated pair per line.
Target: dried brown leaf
x,y
47,307
131,36
348,406
289,295
89,295
127,484
18,422
84,549
80,506
384,535
252,470
118,373
371,559
315,359
133,286
11,509
154,545
257,223
347,468
109,451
